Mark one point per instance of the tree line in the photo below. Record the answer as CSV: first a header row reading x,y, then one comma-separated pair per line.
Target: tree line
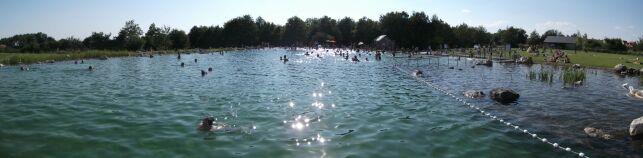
x,y
416,30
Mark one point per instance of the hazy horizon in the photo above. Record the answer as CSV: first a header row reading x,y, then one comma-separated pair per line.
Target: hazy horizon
x,y
65,18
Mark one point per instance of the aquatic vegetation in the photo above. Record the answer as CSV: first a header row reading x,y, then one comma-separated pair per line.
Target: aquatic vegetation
x,y
573,76
542,75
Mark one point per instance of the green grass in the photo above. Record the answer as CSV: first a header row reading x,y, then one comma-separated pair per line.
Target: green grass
x,y
28,58
593,59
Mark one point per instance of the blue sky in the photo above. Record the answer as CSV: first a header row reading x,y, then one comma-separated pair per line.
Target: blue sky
x,y
78,18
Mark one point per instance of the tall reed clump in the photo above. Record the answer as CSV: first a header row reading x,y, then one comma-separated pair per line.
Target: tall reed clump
x,y
546,76
542,75
572,76
531,75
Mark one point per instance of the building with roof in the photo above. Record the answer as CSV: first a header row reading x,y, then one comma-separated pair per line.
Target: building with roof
x,y
560,42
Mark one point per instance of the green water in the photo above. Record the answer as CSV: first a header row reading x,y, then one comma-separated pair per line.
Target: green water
x,y
307,107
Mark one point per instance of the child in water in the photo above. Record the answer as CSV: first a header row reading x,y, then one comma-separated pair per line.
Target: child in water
x,y
208,124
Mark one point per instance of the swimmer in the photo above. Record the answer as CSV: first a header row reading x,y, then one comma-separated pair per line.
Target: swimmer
x,y
182,64
208,124
203,73
210,69
195,60
91,68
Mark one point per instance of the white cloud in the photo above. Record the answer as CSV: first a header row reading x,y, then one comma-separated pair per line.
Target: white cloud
x,y
562,26
618,28
465,11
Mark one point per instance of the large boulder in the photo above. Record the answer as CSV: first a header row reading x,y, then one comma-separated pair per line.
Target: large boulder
x,y
474,94
636,127
504,95
619,68
597,133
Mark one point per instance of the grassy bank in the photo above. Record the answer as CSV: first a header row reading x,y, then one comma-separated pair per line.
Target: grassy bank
x,y
29,58
593,59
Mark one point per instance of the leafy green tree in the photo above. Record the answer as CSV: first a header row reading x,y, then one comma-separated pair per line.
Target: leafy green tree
x,y
367,30
512,35
268,33
322,29
33,42
98,40
294,32
396,26
70,43
346,27
639,45
534,39
130,36
178,39
614,44
441,32
240,31
420,27
156,38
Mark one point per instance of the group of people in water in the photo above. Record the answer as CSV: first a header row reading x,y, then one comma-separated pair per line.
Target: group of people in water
x,y
344,53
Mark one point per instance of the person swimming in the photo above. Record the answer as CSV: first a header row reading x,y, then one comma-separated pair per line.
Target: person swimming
x,y
182,64
91,68
208,124
195,60
203,73
210,69
355,59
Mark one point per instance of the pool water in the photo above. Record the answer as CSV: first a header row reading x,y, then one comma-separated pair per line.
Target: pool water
x,y
307,107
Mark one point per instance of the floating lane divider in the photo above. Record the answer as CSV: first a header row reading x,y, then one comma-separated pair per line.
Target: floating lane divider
x,y
495,118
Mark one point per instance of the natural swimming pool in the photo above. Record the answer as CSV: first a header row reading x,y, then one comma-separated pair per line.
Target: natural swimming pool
x,y
307,107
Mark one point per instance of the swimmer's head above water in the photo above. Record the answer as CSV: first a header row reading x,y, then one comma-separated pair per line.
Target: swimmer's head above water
x,y
206,124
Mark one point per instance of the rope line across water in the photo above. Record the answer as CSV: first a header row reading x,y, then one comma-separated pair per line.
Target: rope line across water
x,y
495,118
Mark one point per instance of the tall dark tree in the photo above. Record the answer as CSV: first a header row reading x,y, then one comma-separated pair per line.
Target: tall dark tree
x,y
346,27
322,29
441,33
240,31
395,26
294,32
32,43
534,39
268,33
178,39
512,35
98,40
420,27
70,43
130,36
156,38
367,30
